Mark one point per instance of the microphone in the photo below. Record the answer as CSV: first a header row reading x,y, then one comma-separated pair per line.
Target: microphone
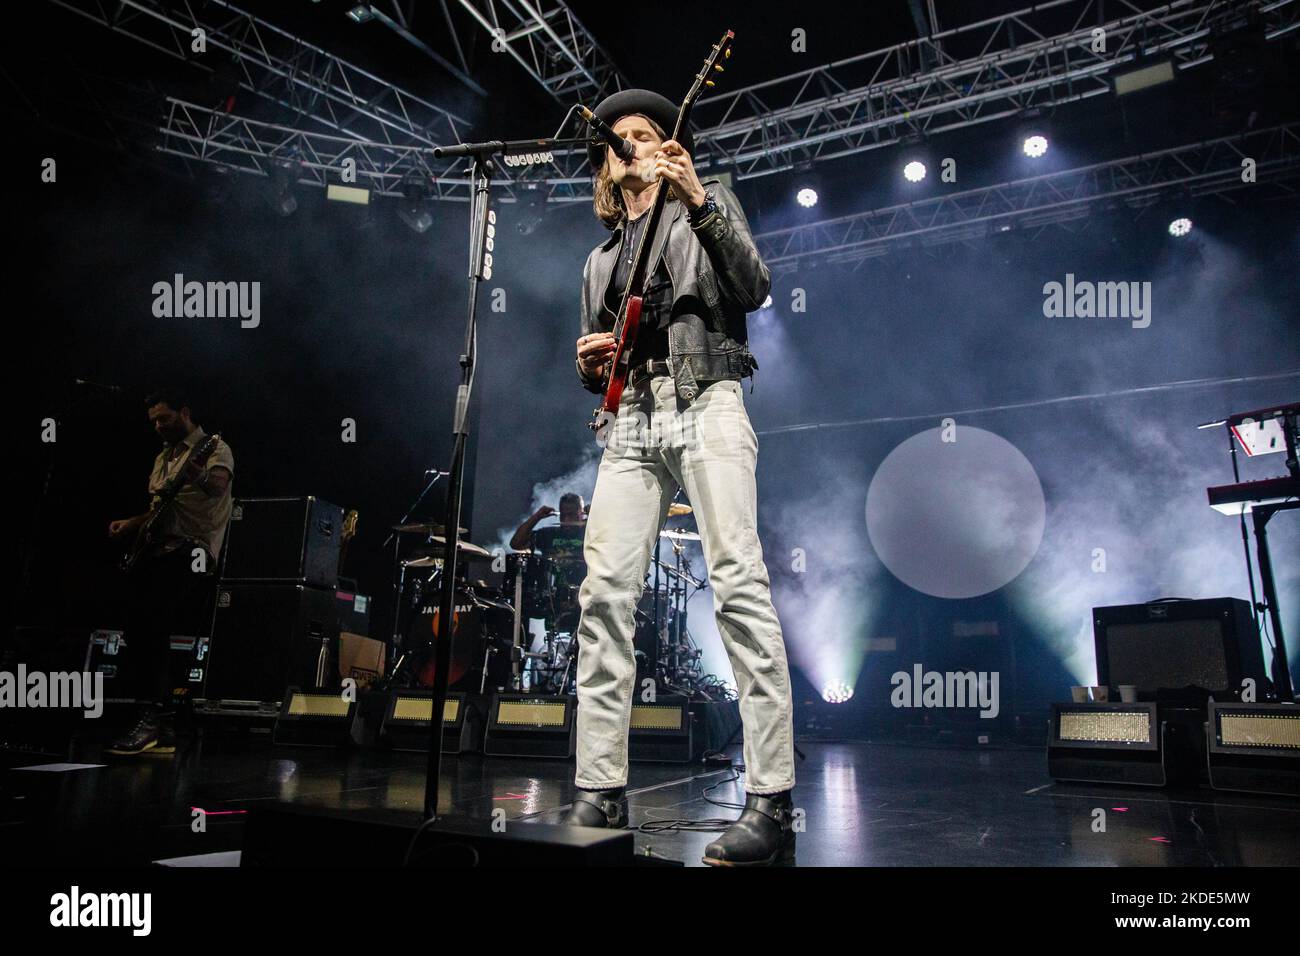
x,y
623,148
82,383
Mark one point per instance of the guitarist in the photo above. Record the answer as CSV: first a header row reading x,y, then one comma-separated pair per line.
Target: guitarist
x,y
165,584
691,352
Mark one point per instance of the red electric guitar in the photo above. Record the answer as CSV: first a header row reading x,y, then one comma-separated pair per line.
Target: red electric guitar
x,y
629,311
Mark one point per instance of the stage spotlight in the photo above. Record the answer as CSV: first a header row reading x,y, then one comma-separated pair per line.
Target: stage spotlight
x,y
837,692
807,197
361,13
281,196
1035,146
417,218
1180,227
530,216
414,209
914,171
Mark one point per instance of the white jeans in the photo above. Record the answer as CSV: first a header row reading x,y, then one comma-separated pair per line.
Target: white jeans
x,y
709,448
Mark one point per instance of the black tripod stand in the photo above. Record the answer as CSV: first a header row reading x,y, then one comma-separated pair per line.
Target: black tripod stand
x,y
482,231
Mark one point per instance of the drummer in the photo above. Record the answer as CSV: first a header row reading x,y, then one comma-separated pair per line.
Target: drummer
x,y
562,542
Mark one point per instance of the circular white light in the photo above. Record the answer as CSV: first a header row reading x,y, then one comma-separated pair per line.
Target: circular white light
x,y
956,519
1180,227
807,197
1035,146
837,692
914,171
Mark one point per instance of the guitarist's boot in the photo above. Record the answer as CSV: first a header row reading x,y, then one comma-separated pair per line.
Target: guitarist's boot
x,y
166,734
598,808
140,736
763,835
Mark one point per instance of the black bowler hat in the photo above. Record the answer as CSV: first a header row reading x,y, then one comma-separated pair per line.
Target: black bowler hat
x,y
647,103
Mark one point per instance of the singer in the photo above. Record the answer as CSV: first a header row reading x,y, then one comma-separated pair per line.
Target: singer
x,y
691,352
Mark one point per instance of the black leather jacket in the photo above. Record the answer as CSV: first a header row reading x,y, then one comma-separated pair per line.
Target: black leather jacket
x,y
716,267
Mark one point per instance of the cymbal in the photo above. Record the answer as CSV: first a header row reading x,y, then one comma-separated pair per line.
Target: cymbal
x,y
680,535
676,509
466,546
423,528
434,560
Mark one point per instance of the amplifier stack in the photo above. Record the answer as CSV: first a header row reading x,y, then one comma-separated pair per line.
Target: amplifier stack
x,y
277,617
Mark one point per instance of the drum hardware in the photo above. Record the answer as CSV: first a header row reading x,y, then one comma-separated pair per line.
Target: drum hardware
x,y
517,631
399,570
675,660
543,587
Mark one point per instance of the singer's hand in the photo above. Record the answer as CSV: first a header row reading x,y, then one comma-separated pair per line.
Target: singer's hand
x,y
594,349
673,163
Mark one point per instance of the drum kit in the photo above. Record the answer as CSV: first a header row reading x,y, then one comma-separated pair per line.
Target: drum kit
x,y
499,595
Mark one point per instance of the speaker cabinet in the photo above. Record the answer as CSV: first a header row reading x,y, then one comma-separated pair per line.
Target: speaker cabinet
x,y
268,637
284,541
1179,649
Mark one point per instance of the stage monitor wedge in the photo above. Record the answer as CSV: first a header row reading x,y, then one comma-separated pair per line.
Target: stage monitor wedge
x,y
1106,743
1255,748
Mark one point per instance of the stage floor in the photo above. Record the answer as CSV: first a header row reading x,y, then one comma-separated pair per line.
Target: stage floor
x,y
865,804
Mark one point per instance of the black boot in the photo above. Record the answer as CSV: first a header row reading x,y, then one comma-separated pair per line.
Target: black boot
x,y
140,736
762,836
166,734
598,808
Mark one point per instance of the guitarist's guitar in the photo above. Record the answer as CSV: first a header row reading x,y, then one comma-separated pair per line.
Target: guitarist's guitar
x,y
628,320
348,533
146,535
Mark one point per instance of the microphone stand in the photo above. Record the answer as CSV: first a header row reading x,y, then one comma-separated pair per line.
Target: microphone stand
x,y
482,229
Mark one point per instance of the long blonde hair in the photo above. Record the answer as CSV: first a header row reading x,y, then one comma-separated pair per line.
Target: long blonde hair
x,y
607,198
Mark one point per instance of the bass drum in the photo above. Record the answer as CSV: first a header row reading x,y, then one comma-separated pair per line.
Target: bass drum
x,y
480,643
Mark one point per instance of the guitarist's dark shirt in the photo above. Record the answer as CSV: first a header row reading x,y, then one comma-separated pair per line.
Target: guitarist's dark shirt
x,y
652,336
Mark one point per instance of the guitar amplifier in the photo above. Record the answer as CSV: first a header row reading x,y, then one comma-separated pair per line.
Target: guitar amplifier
x,y
266,638
284,541
1180,649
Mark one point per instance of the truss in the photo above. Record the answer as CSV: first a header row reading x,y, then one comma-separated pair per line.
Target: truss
x,y
551,45
237,143
282,68
1213,167
1040,56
